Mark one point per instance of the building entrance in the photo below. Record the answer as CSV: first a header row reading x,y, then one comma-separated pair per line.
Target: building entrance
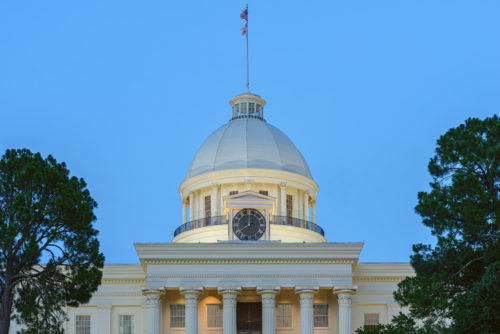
x,y
249,318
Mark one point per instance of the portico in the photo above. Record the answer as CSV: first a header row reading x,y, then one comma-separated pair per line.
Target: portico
x,y
230,274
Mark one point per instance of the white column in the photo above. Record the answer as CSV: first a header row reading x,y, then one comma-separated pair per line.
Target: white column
x,y
183,212
306,206
220,212
229,309
283,199
191,309
191,207
268,297
345,315
213,205
313,213
306,310
153,309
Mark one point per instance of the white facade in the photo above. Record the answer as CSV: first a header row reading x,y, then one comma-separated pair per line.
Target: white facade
x,y
248,181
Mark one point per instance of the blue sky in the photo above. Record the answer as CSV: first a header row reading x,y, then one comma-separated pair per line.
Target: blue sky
x,y
125,92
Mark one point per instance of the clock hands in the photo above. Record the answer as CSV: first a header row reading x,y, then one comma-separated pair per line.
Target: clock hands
x,y
248,225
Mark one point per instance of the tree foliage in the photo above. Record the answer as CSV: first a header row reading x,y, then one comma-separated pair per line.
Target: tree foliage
x,y
457,280
49,252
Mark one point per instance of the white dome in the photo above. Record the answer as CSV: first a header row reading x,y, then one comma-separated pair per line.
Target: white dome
x,y
248,143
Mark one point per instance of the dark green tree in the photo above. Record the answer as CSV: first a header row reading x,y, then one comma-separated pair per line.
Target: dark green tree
x,y
456,288
49,252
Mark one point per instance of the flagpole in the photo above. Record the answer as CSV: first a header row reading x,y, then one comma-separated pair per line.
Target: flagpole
x,y
248,82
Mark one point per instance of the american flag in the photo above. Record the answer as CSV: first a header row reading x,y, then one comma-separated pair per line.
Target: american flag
x,y
244,14
244,30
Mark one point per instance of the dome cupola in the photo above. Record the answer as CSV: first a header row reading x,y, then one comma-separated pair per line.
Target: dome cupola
x,y
248,105
248,141
248,182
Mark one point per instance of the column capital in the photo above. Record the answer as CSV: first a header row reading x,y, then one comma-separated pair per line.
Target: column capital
x,y
229,291
345,289
268,289
153,295
152,290
191,291
306,289
283,184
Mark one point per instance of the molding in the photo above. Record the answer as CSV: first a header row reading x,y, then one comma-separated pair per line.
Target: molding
x,y
257,175
379,278
114,281
246,275
118,294
247,261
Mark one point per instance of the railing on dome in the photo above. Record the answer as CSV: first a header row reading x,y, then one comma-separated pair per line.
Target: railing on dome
x,y
297,222
208,221
221,220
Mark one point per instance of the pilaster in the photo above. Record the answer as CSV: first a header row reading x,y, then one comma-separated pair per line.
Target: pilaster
x,y
104,317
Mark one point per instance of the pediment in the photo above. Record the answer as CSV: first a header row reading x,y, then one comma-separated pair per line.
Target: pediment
x,y
250,196
249,199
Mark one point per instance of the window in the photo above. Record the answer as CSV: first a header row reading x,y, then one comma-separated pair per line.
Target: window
x,y
177,316
284,315
371,320
320,313
214,315
264,192
208,210
127,324
251,108
82,324
243,108
234,192
289,208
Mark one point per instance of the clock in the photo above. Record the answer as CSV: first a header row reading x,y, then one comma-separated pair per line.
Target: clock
x,y
249,224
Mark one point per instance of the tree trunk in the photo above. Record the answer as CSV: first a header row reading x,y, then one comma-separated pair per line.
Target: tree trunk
x,y
5,306
5,312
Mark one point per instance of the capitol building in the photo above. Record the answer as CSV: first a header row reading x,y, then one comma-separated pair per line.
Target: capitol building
x,y
249,256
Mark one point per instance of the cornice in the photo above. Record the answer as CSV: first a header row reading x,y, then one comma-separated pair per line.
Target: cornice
x,y
246,275
251,249
379,278
383,271
274,176
247,261
118,294
123,281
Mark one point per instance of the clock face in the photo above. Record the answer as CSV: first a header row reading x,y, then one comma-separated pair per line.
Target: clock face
x,y
249,224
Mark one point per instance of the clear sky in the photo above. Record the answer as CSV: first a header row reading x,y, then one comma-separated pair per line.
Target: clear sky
x,y
125,92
